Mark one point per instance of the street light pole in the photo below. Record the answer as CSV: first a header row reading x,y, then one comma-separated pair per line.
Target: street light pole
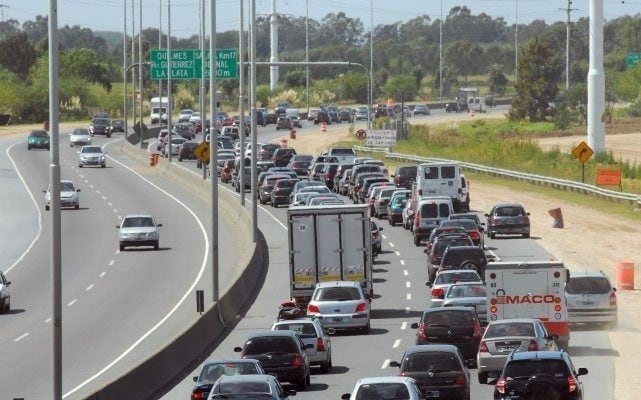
x,y
440,56
213,153
516,43
54,184
159,48
567,44
124,67
241,98
203,108
371,65
254,128
168,146
307,50
140,70
133,61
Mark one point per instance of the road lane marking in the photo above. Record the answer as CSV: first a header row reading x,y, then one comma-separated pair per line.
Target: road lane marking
x,y
35,203
111,262
384,237
409,296
493,254
116,212
102,274
391,244
397,253
405,272
86,180
97,191
72,302
385,363
118,251
19,338
408,284
89,287
91,186
404,326
109,204
82,176
171,312
402,262
397,343
47,320
119,217
104,198
407,310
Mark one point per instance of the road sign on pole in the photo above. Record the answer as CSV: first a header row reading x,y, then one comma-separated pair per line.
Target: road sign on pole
x,y
632,60
582,152
202,152
187,64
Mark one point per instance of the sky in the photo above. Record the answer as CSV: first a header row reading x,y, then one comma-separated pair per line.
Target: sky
x,y
107,15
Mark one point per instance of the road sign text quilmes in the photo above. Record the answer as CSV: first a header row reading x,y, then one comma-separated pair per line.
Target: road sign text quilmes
x,y
187,64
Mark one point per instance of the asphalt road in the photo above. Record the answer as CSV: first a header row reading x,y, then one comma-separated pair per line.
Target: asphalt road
x,y
399,276
118,307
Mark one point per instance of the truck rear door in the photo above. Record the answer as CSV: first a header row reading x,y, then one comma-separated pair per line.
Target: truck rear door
x,y
354,246
328,247
303,259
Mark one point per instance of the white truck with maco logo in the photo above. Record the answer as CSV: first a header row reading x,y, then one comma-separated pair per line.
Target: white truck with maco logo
x,y
533,289
328,243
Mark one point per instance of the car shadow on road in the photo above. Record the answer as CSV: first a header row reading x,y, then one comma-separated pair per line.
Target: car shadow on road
x,y
142,249
584,351
381,262
338,370
380,280
387,313
15,311
379,270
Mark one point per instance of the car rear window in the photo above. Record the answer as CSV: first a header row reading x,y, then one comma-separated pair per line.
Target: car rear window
x,y
510,211
448,172
303,329
267,344
461,291
406,172
383,391
342,152
243,387
456,277
442,244
449,318
526,368
454,257
337,294
467,224
510,329
431,361
286,183
211,372
587,285
429,211
301,164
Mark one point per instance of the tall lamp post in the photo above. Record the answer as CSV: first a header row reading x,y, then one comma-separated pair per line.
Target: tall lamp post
x,y
140,73
370,100
516,42
213,154
124,67
241,95
440,56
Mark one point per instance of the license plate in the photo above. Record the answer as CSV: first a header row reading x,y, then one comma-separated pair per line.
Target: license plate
x,y
432,394
338,319
588,303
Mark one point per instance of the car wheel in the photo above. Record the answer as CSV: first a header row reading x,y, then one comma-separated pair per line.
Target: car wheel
x,y
563,344
79,165
526,235
180,159
103,166
483,377
366,329
156,245
121,247
28,147
77,206
47,207
492,235
108,136
302,383
2,306
417,241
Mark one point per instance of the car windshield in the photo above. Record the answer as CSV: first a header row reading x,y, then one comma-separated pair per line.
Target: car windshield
x,y
383,391
431,361
243,388
337,294
138,222
509,212
100,121
80,131
270,344
510,329
38,134
458,291
587,285
449,318
315,189
91,149
524,369
303,329
67,187
211,372
455,277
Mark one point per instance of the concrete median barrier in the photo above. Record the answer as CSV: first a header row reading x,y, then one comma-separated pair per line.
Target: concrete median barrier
x,y
161,370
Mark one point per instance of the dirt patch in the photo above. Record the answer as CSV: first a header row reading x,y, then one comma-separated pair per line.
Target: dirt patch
x,y
590,240
626,147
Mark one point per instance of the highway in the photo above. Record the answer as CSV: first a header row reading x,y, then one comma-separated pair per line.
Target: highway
x,y
118,307
401,296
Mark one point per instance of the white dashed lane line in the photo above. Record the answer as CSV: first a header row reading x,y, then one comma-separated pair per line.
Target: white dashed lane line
x,y
109,204
111,262
19,338
397,253
402,262
102,274
89,287
91,186
407,310
391,244
405,272
47,320
104,198
404,326
385,363
409,296
408,284
384,237
397,343
72,302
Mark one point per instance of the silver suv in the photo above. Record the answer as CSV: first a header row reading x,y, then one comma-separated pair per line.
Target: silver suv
x,y
312,333
5,296
138,230
91,155
591,298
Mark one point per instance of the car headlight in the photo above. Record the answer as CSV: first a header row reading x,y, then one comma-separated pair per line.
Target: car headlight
x,y
102,157
46,142
83,157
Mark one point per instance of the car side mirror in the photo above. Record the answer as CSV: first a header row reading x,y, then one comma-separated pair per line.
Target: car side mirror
x,y
238,349
118,226
582,371
159,225
345,396
414,325
77,190
428,284
394,364
195,378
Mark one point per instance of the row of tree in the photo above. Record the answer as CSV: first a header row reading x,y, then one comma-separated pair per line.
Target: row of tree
x,y
406,56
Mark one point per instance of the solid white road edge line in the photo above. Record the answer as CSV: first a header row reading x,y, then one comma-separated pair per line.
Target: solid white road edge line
x,y
35,203
19,338
189,291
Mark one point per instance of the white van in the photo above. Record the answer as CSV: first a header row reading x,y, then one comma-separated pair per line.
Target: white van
x,y
430,211
441,179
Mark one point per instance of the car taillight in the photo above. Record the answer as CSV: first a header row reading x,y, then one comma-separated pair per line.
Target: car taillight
x,y
500,385
460,379
422,336
572,384
483,348
525,219
320,345
438,293
311,308
534,346
613,299
474,235
477,330
198,395
362,307
297,361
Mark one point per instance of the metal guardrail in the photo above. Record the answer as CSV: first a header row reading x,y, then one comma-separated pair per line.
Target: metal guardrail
x,y
522,176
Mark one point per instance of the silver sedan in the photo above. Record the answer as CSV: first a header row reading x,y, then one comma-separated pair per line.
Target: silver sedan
x,y
138,230
341,304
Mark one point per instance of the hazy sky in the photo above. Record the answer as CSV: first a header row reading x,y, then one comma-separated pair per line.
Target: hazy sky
x,y
108,14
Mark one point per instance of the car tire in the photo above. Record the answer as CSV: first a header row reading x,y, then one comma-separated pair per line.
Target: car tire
x,y
563,344
417,241
7,307
28,147
180,159
79,165
526,235
121,247
46,208
156,245
483,377
302,384
366,329
108,136
492,235
103,166
2,306
77,207
326,366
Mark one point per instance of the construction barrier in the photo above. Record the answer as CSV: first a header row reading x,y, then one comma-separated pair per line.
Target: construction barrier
x,y
625,275
323,126
153,159
558,217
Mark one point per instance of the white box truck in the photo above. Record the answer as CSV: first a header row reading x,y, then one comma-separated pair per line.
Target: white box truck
x,y
159,107
328,243
533,289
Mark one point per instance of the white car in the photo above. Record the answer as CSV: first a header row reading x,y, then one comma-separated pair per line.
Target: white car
x,y
591,298
69,196
91,155
5,296
176,144
385,387
311,331
79,136
445,279
185,115
138,230
195,117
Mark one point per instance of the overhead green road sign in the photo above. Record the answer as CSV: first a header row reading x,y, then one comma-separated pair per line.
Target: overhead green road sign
x,y
632,60
187,64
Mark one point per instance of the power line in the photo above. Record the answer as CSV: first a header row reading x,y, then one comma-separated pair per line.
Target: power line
x,y
2,7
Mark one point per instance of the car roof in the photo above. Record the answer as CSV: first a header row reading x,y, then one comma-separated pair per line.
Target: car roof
x,y
508,205
231,360
66,181
463,248
515,320
588,274
428,348
431,309
137,216
265,333
246,378
338,284
385,379
532,355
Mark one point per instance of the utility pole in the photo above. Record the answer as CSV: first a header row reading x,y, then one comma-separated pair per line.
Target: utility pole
x,y
124,67
203,108
440,56
596,80
307,51
273,24
516,42
213,153
567,44
168,146
241,98
371,66
140,62
133,61
159,48
2,7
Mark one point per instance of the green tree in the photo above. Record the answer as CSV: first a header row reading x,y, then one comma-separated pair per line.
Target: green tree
x,y
464,56
538,82
497,79
401,85
82,63
17,54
